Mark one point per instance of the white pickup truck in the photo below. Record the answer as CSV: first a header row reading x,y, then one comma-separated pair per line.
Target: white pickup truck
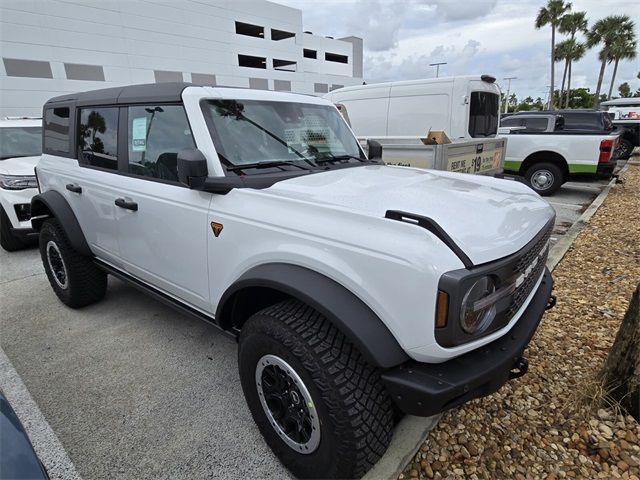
x,y
539,149
398,115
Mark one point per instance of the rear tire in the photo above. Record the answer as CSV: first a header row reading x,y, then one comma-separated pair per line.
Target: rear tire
x,y
545,178
74,278
344,422
7,240
624,150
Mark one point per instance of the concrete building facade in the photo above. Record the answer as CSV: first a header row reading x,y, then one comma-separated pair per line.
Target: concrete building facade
x,y
53,47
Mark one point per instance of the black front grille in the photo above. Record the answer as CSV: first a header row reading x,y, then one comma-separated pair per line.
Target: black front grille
x,y
524,290
23,211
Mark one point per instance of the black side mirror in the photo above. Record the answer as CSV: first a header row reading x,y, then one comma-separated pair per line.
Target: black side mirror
x,y
192,168
375,150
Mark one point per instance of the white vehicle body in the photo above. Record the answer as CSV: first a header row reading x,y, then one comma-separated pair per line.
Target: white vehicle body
x,y
19,155
572,153
399,114
386,235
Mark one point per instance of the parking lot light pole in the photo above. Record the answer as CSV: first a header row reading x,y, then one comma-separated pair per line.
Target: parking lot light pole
x,y
437,65
506,99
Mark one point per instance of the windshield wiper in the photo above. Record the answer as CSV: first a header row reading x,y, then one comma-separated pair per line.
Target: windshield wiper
x,y
274,163
328,158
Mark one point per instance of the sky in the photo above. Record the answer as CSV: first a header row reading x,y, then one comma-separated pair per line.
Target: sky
x,y
497,37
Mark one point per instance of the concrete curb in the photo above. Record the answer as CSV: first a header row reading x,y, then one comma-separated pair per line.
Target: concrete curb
x,y
559,250
45,442
408,437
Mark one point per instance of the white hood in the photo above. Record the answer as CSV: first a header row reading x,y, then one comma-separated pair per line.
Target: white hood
x,y
18,166
488,218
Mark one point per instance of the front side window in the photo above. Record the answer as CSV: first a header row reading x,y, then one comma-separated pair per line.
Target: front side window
x,y
98,137
483,114
252,132
156,134
20,142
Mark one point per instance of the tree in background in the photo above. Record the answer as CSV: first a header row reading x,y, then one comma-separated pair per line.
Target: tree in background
x,y
552,15
562,55
605,32
625,90
624,48
572,24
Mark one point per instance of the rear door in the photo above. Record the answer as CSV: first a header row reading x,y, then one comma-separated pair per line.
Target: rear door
x,y
91,184
162,225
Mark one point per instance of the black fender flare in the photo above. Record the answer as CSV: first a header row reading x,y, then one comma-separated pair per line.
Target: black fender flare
x,y
53,204
341,307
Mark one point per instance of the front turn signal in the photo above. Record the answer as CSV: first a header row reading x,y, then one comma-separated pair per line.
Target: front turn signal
x,y
442,309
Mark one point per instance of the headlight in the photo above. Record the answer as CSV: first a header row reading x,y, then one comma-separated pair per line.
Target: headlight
x,y
478,306
18,182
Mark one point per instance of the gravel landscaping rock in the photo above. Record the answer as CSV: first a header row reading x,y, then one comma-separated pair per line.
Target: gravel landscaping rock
x,y
548,424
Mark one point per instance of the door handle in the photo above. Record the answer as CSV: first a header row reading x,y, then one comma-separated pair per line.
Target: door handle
x,y
72,187
122,203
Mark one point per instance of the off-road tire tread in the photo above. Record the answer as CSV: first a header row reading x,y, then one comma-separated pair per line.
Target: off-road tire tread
x,y
87,283
360,408
7,240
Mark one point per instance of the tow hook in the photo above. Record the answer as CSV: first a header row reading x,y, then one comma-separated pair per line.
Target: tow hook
x,y
551,302
520,367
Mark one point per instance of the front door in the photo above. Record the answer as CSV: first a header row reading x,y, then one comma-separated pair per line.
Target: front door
x,y
162,225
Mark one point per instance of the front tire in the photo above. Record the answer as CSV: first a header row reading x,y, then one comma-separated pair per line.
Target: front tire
x,y
75,279
320,407
7,240
545,178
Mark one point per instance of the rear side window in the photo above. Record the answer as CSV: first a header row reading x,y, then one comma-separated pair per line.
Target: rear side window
x,y
98,137
483,114
156,134
56,130
511,122
536,124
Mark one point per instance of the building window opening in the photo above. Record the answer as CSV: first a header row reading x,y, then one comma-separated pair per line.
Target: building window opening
x,y
334,57
284,65
281,34
249,30
252,62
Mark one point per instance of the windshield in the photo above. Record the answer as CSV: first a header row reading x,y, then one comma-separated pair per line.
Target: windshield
x,y
483,114
250,132
20,142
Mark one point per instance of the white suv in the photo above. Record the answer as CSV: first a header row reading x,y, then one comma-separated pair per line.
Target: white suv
x,y
357,291
20,148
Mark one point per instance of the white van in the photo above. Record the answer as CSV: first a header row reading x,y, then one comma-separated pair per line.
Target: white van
x,y
464,107
398,115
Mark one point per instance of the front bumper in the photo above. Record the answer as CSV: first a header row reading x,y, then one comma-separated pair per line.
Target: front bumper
x,y
427,389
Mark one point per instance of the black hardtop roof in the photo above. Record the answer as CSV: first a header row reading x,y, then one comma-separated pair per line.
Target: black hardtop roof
x,y
142,93
558,112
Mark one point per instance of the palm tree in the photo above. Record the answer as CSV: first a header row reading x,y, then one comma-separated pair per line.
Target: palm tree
x,y
605,32
575,51
552,15
562,54
623,48
572,23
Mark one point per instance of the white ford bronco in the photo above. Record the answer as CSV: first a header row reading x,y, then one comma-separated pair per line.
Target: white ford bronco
x,y
356,291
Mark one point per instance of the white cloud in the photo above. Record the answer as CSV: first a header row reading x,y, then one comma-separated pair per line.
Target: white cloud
x,y
401,37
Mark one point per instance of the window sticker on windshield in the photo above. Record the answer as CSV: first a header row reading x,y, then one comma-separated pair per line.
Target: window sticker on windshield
x,y
139,134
